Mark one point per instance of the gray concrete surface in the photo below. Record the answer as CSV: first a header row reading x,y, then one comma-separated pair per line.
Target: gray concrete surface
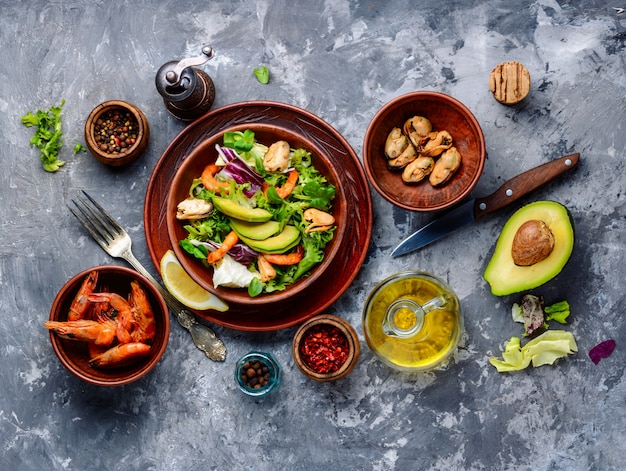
x,y
341,60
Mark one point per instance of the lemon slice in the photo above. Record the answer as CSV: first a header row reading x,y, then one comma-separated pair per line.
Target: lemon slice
x,y
185,289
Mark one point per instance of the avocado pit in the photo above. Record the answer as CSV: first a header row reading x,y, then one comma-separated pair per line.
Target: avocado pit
x,y
533,242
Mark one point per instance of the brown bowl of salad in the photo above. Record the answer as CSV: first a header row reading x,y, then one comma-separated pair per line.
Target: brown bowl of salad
x,y
256,214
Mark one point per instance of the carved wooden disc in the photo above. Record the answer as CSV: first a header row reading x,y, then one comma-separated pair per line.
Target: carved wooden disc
x,y
509,82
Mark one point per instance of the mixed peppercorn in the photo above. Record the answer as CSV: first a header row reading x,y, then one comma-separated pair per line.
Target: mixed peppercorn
x,y
255,374
324,348
115,131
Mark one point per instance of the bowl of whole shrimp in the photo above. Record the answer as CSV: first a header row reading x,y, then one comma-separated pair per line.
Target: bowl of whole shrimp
x,y
109,325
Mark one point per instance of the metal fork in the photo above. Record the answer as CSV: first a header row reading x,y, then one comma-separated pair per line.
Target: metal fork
x,y
117,243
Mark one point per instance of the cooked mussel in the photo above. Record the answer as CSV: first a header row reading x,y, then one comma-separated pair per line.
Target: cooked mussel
x,y
437,142
193,208
417,170
396,143
417,129
446,165
319,220
276,159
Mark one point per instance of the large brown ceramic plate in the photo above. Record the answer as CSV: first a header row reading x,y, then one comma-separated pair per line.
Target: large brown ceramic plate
x,y
445,113
358,208
206,154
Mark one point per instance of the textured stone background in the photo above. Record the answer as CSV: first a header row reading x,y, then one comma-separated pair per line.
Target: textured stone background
x,y
342,60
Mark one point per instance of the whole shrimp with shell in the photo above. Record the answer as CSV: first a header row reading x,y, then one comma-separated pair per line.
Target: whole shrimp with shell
x,y
119,331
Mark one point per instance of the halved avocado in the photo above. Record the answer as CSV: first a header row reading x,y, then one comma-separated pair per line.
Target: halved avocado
x,y
234,210
287,239
504,276
254,230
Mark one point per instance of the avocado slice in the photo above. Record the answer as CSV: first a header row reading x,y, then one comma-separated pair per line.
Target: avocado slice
x,y
504,276
288,238
234,210
254,230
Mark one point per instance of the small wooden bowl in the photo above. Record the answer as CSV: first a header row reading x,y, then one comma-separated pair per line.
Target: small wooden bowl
x,y
445,113
330,321
73,354
125,155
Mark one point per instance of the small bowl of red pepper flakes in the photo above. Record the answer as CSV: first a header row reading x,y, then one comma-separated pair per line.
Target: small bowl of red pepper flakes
x,y
117,132
326,348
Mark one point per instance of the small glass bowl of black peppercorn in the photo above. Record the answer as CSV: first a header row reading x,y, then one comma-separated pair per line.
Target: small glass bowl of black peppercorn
x,y
257,374
117,132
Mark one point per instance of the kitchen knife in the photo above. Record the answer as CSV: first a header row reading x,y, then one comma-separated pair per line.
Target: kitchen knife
x,y
474,208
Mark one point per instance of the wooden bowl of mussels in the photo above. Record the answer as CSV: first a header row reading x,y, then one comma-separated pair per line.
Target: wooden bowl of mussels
x,y
424,151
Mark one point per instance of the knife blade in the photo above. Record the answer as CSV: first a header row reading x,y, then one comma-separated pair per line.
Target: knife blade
x,y
474,208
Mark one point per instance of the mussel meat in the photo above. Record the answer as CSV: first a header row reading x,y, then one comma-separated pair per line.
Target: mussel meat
x,y
193,208
417,170
417,129
396,143
320,220
276,158
448,163
436,144
403,159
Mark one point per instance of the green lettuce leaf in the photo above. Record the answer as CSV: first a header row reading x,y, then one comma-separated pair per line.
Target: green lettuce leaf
x,y
544,349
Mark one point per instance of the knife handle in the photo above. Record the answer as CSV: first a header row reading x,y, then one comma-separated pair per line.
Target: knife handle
x,y
523,184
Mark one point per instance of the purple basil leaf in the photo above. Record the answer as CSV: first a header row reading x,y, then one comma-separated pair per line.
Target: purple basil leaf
x,y
602,350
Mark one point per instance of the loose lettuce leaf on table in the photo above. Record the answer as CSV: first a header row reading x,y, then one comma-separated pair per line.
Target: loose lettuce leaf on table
x,y
542,350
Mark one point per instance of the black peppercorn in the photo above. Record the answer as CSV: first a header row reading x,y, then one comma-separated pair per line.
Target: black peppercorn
x,y
255,374
114,131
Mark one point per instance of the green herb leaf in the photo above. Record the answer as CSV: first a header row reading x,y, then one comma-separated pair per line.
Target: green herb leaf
x,y
197,251
240,141
313,255
558,312
78,147
273,196
262,74
255,287
48,135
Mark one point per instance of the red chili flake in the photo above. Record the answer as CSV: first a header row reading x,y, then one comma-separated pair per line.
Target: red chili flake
x,y
324,348
602,350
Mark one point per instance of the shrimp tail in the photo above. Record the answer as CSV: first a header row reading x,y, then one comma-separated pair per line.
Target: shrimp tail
x,y
229,242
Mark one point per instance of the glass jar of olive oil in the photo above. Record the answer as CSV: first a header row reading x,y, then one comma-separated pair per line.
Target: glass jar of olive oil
x,y
412,321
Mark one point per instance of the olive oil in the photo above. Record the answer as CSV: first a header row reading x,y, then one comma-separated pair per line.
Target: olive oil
x,y
412,321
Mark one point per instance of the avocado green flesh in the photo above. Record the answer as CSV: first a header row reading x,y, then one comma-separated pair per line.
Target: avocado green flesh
x,y
287,239
234,210
504,276
254,230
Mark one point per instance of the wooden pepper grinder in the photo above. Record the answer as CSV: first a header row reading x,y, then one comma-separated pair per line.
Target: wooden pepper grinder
x,y
188,92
